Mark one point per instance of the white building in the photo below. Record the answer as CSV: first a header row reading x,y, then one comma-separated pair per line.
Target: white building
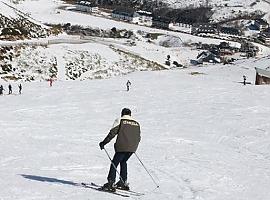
x,y
144,18
162,22
125,15
261,24
266,37
137,17
86,6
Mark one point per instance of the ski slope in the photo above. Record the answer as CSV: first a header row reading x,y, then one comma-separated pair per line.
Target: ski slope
x,y
204,136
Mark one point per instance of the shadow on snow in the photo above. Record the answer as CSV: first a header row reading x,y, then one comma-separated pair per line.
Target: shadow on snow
x,y
48,179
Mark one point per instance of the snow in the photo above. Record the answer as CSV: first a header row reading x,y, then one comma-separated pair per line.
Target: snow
x,y
208,140
205,136
50,14
225,9
7,11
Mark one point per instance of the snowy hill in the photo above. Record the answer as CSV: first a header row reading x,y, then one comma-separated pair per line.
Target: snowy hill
x,y
66,58
229,9
15,24
204,136
71,62
223,10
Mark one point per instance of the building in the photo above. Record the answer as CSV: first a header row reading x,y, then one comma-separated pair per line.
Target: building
x,y
145,18
162,22
86,6
130,15
229,31
249,49
265,37
261,24
208,56
262,75
206,28
125,15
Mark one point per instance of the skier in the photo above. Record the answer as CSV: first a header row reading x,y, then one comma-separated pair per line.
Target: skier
x,y
20,88
245,78
128,138
1,89
128,84
50,80
9,89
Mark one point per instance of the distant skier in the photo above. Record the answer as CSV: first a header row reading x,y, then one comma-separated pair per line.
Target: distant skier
x,y
128,84
50,81
20,88
1,89
9,89
245,78
127,141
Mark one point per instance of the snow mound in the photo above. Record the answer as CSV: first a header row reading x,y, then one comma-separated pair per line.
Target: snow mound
x,y
170,41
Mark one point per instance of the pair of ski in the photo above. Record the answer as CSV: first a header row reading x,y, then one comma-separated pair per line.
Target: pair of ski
x,y
118,192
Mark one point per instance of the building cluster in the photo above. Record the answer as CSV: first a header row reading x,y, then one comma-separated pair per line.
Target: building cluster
x,y
213,53
223,52
207,28
264,29
140,17
147,19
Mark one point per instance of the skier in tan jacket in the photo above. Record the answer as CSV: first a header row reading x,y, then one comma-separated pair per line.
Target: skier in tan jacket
x,y
128,137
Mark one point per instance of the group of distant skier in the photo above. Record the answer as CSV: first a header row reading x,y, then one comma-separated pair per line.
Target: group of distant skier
x,y
128,84
10,89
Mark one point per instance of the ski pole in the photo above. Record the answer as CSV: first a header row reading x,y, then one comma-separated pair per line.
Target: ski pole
x,y
147,171
113,165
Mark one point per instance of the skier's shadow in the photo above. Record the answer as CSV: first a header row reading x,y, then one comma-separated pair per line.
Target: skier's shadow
x,y
48,179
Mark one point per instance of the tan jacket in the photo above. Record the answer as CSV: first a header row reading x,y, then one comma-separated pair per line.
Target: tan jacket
x,y
128,134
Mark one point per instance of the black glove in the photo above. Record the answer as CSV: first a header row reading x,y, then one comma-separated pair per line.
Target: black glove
x,y
101,145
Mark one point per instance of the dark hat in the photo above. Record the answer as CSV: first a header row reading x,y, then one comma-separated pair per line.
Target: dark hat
x,y
126,111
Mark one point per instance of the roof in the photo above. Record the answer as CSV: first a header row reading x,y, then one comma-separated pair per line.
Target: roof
x,y
261,22
266,34
162,19
125,12
144,13
263,66
230,30
263,72
204,25
84,3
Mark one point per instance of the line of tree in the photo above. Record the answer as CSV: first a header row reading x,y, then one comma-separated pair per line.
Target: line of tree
x,y
187,16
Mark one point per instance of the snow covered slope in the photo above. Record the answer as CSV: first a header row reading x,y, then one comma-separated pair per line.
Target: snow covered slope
x,y
226,9
17,23
204,135
223,10
71,62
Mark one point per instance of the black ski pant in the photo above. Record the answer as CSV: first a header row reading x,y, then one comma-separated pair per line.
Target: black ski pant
x,y
122,158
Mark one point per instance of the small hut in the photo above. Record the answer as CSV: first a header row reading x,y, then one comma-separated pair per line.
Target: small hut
x,y
262,75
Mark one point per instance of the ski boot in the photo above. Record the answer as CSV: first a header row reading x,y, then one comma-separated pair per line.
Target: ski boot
x,y
110,187
122,185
